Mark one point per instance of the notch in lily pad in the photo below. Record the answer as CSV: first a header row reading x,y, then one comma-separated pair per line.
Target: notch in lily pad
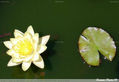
x,y
94,40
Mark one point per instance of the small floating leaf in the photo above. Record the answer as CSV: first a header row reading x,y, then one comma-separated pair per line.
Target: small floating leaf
x,y
93,40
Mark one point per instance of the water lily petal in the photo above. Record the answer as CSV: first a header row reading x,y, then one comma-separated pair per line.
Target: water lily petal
x,y
11,63
39,63
41,48
36,57
45,39
18,33
30,30
26,65
36,37
8,44
27,35
13,41
36,40
10,52
17,60
16,55
27,59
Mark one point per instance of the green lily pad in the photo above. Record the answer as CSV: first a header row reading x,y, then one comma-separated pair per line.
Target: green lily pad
x,y
94,40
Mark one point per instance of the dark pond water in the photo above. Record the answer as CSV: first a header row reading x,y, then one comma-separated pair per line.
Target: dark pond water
x,y
64,20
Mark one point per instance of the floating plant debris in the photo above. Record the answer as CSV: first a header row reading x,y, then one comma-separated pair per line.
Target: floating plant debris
x,y
94,40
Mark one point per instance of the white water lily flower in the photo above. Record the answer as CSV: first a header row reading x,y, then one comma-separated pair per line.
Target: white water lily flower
x,y
26,48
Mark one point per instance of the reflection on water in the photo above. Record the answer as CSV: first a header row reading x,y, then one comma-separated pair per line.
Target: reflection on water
x,y
33,72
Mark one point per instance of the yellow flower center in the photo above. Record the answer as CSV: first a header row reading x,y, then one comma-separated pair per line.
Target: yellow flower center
x,y
24,47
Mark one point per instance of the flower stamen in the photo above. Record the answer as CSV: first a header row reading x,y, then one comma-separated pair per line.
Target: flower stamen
x,y
24,47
